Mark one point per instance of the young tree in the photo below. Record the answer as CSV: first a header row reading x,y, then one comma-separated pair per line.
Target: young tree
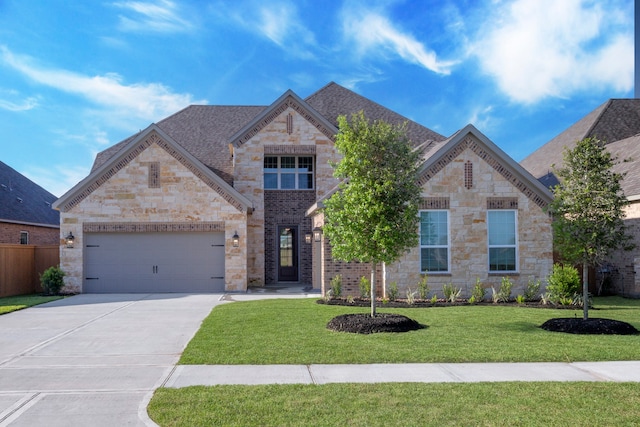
x,y
588,209
373,218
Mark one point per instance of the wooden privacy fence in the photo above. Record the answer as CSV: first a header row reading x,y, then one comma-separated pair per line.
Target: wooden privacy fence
x,y
21,266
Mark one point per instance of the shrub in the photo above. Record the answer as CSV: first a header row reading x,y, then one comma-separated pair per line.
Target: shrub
x,y
533,287
365,287
328,295
545,298
477,293
336,285
52,280
434,299
520,299
393,291
411,296
423,288
451,293
504,294
564,283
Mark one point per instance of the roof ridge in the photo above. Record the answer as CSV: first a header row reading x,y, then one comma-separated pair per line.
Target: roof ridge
x,y
598,117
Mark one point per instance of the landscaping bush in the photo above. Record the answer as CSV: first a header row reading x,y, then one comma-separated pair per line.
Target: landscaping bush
x,y
393,291
52,280
563,283
533,287
365,287
478,292
423,288
336,285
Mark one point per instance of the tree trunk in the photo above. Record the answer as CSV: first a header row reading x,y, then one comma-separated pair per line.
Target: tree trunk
x,y
373,289
585,291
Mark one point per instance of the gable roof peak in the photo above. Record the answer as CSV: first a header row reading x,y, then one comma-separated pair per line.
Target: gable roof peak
x,y
289,99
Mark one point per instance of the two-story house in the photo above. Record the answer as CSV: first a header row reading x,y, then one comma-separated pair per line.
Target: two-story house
x,y
220,198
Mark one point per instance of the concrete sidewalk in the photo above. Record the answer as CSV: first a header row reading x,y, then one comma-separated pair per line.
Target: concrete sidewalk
x,y
188,375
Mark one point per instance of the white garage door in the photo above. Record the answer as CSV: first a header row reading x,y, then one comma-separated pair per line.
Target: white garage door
x,y
153,262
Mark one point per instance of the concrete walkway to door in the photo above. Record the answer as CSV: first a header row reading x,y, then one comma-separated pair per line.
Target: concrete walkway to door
x,y
93,360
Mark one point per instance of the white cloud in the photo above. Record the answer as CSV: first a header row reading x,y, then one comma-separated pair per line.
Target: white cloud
x,y
481,117
374,34
26,104
57,179
278,21
146,101
536,49
161,16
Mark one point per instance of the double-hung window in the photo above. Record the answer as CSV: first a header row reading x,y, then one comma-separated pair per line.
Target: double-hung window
x,y
434,241
503,242
288,172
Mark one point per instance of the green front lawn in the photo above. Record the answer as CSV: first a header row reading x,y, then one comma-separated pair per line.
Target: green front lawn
x,y
294,332
9,304
403,404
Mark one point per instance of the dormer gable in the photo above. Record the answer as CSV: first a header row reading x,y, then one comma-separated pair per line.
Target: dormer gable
x,y
288,100
472,139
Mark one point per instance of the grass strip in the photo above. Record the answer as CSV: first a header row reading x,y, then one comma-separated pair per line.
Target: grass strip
x,y
477,404
293,331
10,304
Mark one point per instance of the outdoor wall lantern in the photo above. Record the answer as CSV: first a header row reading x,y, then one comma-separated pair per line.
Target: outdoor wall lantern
x,y
236,240
70,239
317,234
308,237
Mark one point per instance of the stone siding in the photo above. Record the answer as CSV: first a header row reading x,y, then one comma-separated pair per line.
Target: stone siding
x,y
468,229
129,196
287,133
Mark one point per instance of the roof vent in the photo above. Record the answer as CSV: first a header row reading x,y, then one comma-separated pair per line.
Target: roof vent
x,y
19,199
4,186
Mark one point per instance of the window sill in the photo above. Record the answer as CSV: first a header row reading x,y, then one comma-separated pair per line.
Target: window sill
x,y
504,273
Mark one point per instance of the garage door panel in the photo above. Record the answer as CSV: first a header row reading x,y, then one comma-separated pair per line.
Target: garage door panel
x,y
154,262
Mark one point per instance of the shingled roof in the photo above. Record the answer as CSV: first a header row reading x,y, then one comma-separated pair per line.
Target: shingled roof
x,y
612,121
205,130
25,202
627,151
334,100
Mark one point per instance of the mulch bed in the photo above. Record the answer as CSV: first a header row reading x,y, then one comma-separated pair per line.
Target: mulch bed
x,y
386,322
362,323
573,325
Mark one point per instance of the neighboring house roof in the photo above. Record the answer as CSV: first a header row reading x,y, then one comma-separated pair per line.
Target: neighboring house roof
x,y
135,146
205,131
444,152
25,202
627,152
612,121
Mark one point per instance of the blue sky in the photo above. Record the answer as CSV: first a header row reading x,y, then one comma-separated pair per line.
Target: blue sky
x,y
79,76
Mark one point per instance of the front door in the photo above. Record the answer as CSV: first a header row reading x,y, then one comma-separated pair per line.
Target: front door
x,y
287,254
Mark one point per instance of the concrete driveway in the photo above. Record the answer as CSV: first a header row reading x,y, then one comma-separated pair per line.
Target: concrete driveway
x,y
93,359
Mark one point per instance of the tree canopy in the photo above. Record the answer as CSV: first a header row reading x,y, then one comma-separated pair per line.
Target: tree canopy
x,y
588,208
373,217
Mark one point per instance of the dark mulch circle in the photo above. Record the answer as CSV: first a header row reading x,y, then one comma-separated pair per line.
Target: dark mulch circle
x,y
572,325
366,324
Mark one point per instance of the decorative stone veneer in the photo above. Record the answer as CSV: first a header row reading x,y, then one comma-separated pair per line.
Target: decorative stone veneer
x,y
182,198
468,228
288,132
